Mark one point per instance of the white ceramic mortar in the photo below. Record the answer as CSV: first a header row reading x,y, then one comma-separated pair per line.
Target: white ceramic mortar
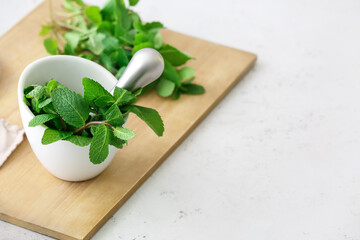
x,y
63,159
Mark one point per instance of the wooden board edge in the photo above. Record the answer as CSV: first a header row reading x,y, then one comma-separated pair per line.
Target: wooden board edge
x,y
167,154
33,227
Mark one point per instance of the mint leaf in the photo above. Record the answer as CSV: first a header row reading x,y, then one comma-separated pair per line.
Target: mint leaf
x,y
114,10
45,102
99,148
141,46
150,86
68,50
140,38
113,116
116,142
51,46
49,108
133,2
29,88
35,105
105,60
120,57
165,87
56,122
84,133
120,72
78,2
123,96
72,38
186,72
157,41
137,23
70,106
104,101
40,119
106,27
122,15
51,135
51,85
80,24
123,133
189,80
93,14
150,116
79,140
170,73
192,89
88,56
108,11
93,90
68,6
95,43
174,55
93,129
153,26
38,92
110,43
26,101
45,30
176,94
137,92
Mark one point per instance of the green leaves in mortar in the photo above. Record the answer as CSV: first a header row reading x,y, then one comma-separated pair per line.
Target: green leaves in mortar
x,y
99,148
96,119
111,35
72,107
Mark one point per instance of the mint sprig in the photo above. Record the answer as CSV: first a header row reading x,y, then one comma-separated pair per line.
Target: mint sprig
x,y
110,36
97,118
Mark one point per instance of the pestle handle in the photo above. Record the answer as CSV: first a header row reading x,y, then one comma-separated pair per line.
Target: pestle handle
x,y
144,67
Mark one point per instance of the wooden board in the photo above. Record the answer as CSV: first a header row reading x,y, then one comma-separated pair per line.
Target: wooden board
x,y
32,198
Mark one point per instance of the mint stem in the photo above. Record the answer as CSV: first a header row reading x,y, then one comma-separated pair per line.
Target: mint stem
x,y
92,123
65,25
62,123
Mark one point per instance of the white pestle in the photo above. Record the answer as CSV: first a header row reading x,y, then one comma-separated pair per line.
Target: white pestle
x,y
145,67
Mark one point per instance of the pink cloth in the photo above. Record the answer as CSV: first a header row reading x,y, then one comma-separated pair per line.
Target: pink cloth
x,y
10,137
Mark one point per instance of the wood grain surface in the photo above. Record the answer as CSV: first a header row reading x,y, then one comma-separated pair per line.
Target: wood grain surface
x,y
32,198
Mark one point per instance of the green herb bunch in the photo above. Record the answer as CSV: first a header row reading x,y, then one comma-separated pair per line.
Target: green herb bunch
x,y
111,36
96,119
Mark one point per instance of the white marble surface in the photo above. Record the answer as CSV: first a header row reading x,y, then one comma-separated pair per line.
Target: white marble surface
x,y
279,157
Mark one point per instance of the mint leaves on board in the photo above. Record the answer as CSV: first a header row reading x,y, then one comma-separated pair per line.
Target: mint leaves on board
x,y
97,118
111,35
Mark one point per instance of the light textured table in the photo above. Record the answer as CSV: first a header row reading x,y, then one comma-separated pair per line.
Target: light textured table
x,y
279,158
